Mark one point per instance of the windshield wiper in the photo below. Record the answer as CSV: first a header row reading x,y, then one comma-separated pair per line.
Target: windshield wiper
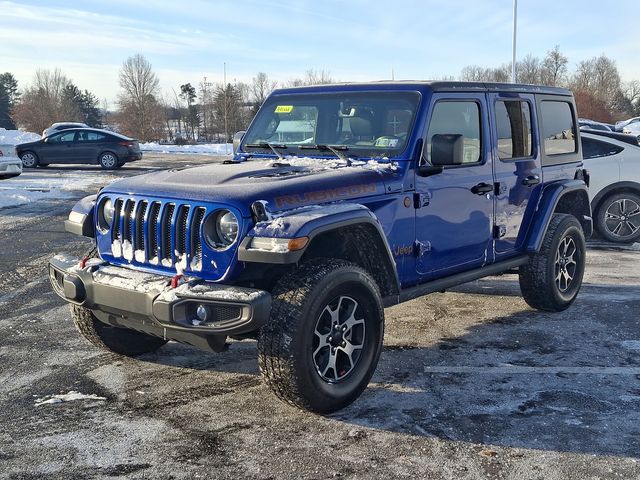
x,y
272,146
335,149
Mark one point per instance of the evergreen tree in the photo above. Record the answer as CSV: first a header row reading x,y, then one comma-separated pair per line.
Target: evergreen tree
x,y
8,97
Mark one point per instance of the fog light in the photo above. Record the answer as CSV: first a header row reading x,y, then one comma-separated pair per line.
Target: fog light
x,y
202,313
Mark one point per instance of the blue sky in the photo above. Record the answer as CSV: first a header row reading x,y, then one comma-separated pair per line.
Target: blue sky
x,y
354,40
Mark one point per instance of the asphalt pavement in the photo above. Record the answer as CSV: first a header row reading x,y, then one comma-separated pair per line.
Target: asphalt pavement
x,y
472,383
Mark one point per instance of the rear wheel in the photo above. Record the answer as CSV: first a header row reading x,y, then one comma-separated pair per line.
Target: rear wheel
x,y
553,277
29,159
618,218
108,160
323,341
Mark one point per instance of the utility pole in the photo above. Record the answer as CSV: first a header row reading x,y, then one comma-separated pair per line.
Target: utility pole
x,y
515,30
205,108
226,131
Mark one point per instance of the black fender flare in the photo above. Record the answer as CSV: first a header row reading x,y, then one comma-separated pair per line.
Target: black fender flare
x,y
81,219
549,201
311,224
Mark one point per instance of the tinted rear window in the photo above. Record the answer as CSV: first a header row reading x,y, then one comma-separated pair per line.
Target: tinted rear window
x,y
558,128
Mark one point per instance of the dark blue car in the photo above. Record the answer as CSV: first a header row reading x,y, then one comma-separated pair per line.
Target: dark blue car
x,y
108,149
340,200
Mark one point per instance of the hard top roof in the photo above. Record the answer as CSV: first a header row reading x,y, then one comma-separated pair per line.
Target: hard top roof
x,y
424,85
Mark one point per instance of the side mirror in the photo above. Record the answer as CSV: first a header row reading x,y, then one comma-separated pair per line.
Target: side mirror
x,y
447,149
237,138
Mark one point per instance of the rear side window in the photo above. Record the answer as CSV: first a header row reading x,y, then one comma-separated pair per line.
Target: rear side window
x,y
460,121
596,148
513,123
90,136
558,128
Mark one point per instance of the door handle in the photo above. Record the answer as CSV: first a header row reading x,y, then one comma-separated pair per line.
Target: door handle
x,y
531,180
482,188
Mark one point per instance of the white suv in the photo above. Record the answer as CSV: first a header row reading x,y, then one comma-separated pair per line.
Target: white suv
x,y
613,162
10,164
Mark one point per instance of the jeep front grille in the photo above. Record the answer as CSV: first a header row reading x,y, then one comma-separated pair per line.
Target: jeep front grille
x,y
158,233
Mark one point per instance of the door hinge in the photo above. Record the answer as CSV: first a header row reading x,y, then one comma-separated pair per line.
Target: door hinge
x,y
422,248
499,231
500,188
421,200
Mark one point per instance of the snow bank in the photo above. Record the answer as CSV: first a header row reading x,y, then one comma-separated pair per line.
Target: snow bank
x,y
15,137
201,149
49,185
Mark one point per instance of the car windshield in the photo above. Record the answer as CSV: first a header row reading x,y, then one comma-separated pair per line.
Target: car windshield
x,y
367,124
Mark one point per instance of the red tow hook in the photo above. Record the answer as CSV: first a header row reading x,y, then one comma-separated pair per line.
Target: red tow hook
x,y
83,262
175,281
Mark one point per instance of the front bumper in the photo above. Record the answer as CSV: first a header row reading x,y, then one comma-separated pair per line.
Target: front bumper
x,y
145,300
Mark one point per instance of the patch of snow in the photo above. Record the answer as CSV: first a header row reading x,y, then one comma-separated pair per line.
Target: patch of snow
x,y
48,185
139,256
127,250
153,261
319,164
129,279
116,248
166,262
181,264
216,149
196,264
16,137
66,397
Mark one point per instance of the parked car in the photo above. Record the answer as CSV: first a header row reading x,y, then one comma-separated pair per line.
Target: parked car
x,y
619,127
614,189
80,145
10,164
57,127
632,129
401,190
586,124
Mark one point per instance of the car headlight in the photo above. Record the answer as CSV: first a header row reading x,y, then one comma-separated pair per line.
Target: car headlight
x,y
105,214
221,229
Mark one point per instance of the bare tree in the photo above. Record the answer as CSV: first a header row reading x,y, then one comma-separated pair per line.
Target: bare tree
x,y
261,87
528,70
51,97
139,98
554,68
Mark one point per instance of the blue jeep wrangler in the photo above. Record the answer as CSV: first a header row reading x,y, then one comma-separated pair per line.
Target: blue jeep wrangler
x,y
340,200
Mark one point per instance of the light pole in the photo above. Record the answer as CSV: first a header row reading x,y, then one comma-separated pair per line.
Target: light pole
x,y
515,30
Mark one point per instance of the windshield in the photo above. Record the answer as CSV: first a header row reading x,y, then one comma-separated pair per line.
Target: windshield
x,y
367,124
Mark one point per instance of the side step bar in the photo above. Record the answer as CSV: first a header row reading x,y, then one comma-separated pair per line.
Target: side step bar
x,y
453,280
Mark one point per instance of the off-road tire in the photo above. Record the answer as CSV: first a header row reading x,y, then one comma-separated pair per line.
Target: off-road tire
x,y
108,160
605,225
286,342
29,159
539,278
122,341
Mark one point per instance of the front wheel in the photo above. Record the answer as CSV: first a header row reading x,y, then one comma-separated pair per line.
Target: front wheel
x,y
618,218
553,277
322,343
108,161
122,341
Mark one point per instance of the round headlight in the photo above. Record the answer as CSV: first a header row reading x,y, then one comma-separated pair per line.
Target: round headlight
x,y
106,214
221,229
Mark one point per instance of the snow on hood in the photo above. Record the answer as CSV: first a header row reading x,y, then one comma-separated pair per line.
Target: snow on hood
x,y
286,183
16,137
